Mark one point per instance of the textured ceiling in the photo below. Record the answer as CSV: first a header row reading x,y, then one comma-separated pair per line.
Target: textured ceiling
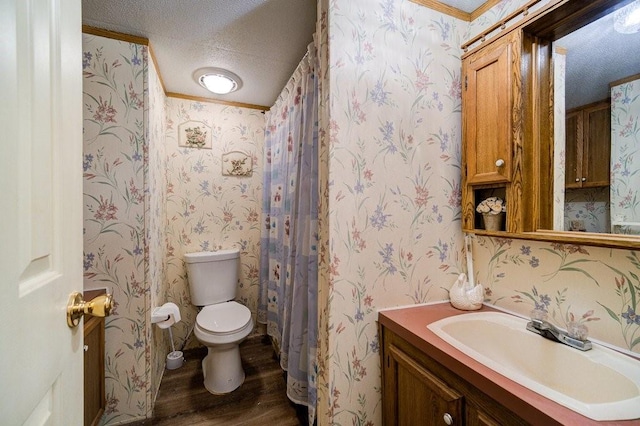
x,y
260,40
263,41
596,56
464,5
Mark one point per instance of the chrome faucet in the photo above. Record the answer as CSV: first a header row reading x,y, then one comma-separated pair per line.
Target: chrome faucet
x,y
548,330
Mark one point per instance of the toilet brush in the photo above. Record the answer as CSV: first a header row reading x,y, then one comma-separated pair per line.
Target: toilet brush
x,y
165,316
175,359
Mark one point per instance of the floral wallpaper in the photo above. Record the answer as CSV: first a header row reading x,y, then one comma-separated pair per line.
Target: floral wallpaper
x,y
390,155
389,229
155,225
324,387
390,202
589,206
593,285
148,201
123,166
205,210
625,164
559,59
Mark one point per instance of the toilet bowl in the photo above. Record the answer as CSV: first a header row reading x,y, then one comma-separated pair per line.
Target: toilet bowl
x,y
221,324
221,328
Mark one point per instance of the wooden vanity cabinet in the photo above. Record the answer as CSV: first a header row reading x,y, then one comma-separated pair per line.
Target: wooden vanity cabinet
x,y
417,390
94,391
475,417
588,146
416,396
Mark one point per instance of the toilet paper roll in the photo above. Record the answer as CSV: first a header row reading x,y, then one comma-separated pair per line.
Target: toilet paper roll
x,y
170,310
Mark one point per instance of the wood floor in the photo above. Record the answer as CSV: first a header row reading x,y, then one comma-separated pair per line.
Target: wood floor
x,y
261,400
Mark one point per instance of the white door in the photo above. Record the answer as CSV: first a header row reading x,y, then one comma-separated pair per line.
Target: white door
x,y
41,365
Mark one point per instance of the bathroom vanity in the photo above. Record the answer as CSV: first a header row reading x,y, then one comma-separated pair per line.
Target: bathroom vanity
x,y
94,392
425,380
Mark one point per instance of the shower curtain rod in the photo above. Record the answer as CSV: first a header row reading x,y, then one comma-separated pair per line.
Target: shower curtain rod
x,y
292,79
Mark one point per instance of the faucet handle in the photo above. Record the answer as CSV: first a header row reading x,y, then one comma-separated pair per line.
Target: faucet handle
x,y
538,314
577,330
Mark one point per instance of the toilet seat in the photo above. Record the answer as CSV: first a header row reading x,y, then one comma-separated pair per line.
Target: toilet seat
x,y
221,327
223,318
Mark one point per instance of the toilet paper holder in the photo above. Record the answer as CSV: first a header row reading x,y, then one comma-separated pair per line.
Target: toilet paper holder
x,y
166,315
99,306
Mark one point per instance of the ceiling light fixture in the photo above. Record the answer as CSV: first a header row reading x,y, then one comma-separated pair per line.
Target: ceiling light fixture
x,y
217,80
627,19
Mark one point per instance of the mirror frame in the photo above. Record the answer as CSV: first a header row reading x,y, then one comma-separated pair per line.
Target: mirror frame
x,y
540,28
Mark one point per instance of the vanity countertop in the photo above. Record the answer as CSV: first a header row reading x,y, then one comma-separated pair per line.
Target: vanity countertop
x,y
410,323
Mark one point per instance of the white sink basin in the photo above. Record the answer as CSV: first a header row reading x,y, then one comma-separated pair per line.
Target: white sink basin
x,y
601,384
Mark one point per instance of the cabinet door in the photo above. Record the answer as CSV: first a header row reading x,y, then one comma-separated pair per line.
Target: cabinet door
x,y
489,76
588,146
94,392
414,396
573,149
477,417
597,145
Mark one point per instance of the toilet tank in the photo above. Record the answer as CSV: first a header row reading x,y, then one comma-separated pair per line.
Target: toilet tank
x,y
213,276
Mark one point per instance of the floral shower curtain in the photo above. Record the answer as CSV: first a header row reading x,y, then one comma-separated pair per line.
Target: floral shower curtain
x,y
288,252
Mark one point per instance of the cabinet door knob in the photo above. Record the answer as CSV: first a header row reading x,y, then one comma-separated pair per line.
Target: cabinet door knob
x,y
447,419
499,162
86,348
577,179
584,179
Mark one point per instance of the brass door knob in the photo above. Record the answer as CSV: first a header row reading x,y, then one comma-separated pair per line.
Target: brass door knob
x,y
100,306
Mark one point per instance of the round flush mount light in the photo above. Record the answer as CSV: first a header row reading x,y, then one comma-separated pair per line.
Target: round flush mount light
x,y
627,19
217,80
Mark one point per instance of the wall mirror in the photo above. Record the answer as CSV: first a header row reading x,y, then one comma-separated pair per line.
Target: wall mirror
x,y
594,130
580,54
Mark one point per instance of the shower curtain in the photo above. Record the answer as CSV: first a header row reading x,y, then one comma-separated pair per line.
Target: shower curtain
x,y
288,251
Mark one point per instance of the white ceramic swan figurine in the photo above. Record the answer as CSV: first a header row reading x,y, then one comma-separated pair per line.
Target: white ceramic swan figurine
x,y
464,296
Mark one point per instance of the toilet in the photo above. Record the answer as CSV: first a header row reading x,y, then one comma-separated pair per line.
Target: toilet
x,y
222,324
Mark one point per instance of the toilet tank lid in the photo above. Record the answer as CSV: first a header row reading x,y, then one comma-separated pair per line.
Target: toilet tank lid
x,y
209,256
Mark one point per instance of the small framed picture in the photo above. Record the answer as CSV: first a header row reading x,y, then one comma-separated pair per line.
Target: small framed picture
x,y
194,134
237,163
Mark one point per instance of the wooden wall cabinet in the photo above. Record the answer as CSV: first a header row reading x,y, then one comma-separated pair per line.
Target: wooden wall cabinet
x,y
514,119
94,391
487,111
588,146
491,128
504,148
417,390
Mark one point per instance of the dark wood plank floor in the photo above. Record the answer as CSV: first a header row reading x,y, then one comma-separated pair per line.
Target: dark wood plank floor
x,y
261,400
